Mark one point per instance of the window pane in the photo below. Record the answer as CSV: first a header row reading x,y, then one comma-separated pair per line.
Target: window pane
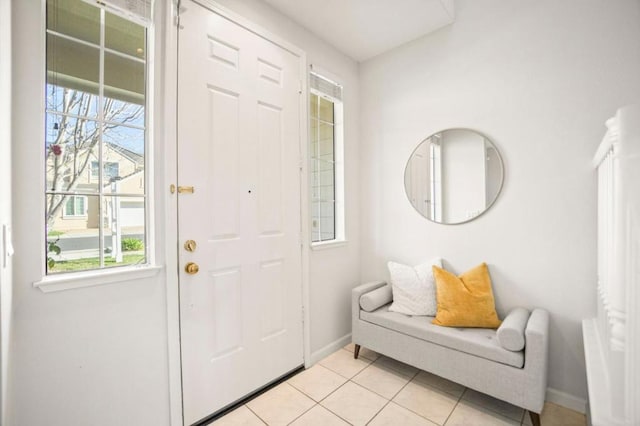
x,y
124,149
322,181
124,80
327,228
124,230
124,36
325,142
326,110
74,18
323,221
326,192
72,65
326,177
71,144
313,105
315,181
72,101
72,240
124,112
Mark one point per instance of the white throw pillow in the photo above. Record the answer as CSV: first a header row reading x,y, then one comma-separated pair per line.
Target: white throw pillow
x,y
414,288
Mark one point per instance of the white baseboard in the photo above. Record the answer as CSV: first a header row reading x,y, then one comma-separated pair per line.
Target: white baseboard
x,y
328,350
567,400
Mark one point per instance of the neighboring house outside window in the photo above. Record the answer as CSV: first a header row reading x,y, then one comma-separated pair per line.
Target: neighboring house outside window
x,y
326,153
95,120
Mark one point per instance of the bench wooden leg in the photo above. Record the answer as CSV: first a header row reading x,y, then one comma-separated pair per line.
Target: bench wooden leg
x,y
535,418
356,352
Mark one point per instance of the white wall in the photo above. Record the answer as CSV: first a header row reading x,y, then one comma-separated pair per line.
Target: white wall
x,y
333,272
5,198
90,356
539,79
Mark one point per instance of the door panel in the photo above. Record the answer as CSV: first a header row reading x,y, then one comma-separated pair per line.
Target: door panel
x,y
224,157
239,147
270,170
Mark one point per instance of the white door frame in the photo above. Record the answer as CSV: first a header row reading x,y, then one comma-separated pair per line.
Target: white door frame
x,y
170,177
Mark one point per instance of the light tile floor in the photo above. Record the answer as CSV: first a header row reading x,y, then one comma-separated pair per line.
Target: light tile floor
x,y
379,391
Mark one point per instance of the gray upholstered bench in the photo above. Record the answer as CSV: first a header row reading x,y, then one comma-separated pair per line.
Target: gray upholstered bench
x,y
509,363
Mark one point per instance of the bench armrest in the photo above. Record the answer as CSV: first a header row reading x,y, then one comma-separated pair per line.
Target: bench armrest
x,y
359,291
537,331
536,353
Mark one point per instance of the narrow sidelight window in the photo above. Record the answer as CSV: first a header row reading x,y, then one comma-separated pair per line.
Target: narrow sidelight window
x,y
327,212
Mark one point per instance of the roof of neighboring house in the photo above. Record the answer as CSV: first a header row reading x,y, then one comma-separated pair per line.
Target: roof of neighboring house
x,y
124,178
133,156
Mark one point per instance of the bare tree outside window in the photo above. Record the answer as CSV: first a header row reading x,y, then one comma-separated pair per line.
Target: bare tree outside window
x,y
76,139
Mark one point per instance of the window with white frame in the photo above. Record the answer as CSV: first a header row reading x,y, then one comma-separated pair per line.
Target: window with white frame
x,y
111,169
76,206
96,119
326,154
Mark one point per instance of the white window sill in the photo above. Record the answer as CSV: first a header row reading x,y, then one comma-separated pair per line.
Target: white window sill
x,y
68,281
324,245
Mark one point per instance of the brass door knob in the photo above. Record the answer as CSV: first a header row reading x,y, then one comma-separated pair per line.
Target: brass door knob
x,y
191,268
190,245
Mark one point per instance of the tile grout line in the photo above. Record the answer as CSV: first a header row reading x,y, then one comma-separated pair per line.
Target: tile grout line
x,y
378,412
331,393
294,419
348,378
322,399
435,389
382,408
393,371
455,406
336,389
391,399
304,412
255,414
357,384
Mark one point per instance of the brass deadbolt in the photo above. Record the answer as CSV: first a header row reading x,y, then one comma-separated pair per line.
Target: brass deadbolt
x,y
190,245
191,268
186,189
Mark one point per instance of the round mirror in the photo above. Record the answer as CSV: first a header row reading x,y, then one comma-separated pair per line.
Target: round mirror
x,y
454,176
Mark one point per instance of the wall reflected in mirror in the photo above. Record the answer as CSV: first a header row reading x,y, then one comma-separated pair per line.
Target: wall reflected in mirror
x,y
454,176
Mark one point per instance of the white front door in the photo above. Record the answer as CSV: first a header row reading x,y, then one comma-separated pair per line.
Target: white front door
x,y
239,148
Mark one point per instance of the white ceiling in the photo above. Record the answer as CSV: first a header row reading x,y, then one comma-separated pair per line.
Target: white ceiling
x,y
363,29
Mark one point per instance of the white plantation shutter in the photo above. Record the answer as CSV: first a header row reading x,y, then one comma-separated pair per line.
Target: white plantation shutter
x,y
140,11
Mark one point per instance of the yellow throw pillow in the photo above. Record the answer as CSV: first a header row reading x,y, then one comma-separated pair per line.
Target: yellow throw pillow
x,y
467,300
